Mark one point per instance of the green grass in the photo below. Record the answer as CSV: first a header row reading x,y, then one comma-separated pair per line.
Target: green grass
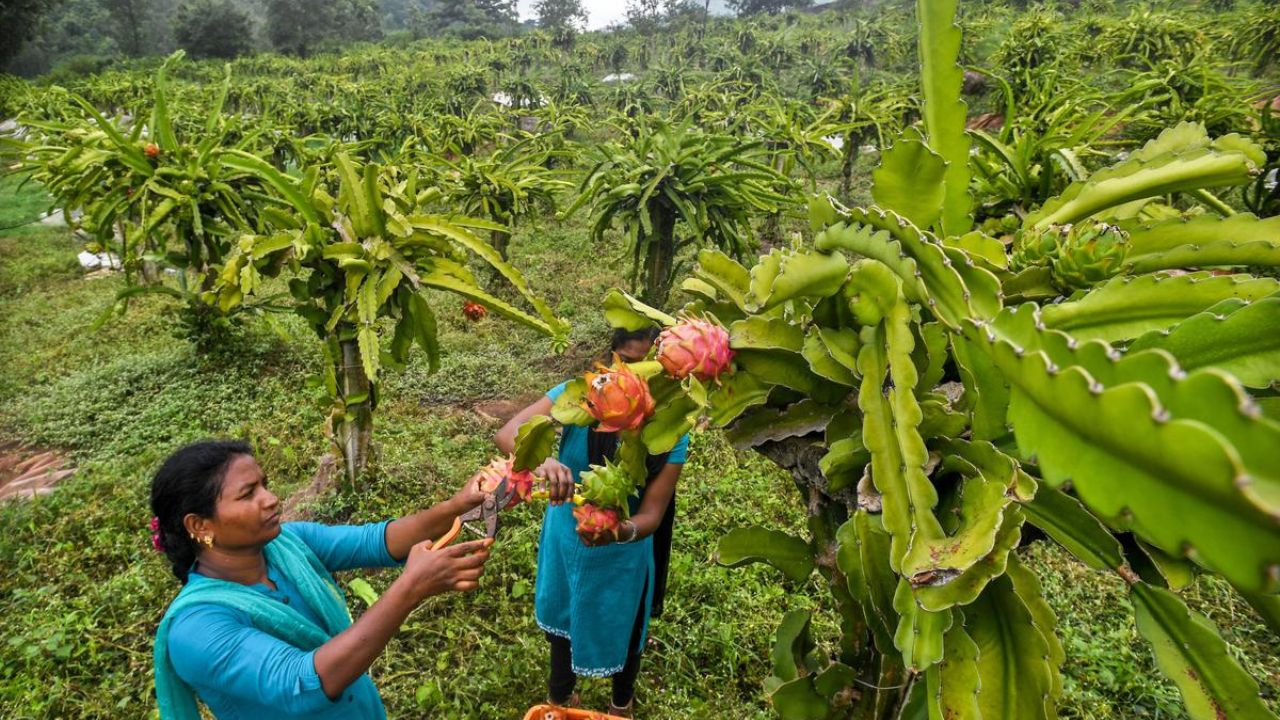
x,y
81,592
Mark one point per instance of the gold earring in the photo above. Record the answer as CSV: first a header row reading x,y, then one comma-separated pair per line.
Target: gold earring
x,y
207,540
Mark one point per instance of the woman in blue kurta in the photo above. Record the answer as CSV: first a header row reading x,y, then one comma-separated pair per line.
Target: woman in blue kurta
x,y
259,628
593,598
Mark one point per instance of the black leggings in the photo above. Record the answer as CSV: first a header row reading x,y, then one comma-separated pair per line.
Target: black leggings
x,y
561,682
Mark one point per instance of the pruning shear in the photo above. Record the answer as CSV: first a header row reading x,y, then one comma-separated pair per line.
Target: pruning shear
x,y
487,511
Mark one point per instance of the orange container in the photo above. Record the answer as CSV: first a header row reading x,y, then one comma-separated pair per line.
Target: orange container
x,y
551,712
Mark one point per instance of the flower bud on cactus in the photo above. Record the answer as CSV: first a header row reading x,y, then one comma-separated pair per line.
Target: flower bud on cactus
x,y
597,523
474,311
152,150
694,347
503,468
618,398
608,486
1091,253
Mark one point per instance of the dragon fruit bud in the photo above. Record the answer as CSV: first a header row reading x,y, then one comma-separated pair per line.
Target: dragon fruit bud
x,y
596,522
618,398
694,347
503,468
1091,253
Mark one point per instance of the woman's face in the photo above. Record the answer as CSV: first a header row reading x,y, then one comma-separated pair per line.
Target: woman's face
x,y
247,514
634,350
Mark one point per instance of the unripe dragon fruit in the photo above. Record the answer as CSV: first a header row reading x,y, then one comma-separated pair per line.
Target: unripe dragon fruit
x,y
618,398
694,347
1033,247
151,150
503,468
608,485
474,311
1091,253
596,523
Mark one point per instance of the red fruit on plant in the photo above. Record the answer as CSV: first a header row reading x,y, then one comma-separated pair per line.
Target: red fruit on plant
x,y
152,150
503,468
618,398
694,347
474,311
596,523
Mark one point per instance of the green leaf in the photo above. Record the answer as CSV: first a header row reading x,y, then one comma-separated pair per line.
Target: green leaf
x,y
568,408
736,393
679,405
920,632
1072,526
798,700
844,462
1235,336
726,275
1242,229
1124,308
911,181
424,330
792,646
769,424
789,554
823,362
863,556
764,333
800,273
958,679
1013,656
369,350
624,311
941,81
1175,481
1187,165
281,183
535,441
363,590
1192,654
890,432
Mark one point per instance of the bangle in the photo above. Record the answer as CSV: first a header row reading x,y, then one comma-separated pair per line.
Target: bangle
x,y
632,537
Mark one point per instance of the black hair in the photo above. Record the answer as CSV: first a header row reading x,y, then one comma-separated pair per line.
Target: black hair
x,y
622,336
190,481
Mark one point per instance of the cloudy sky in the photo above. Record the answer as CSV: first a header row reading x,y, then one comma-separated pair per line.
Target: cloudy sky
x,y
602,13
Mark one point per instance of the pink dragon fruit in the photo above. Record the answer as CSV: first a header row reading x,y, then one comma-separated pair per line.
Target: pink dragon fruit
x,y
618,398
503,468
595,522
694,347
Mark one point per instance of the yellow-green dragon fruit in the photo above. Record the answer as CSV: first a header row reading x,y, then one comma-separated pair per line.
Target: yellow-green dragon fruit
x,y
608,485
1032,247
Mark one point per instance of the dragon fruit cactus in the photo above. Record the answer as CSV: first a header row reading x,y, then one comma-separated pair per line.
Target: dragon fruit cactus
x,y
1092,252
608,485
618,398
694,347
596,523
503,468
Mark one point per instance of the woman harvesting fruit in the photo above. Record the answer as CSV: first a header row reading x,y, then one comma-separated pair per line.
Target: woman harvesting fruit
x,y
597,577
259,628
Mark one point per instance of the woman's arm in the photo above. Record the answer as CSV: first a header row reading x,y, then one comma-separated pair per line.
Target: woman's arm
x,y
559,478
349,654
429,524
654,505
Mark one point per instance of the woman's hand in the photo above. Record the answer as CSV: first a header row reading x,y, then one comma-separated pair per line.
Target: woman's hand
x,y
455,568
470,495
559,480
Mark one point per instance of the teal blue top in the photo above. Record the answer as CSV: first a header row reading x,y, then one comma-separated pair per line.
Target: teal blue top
x,y
242,670
591,595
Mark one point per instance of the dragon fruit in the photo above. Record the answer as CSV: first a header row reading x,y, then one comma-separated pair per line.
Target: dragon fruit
x,y
694,347
608,485
618,398
503,468
1090,253
152,150
474,311
1033,247
595,522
